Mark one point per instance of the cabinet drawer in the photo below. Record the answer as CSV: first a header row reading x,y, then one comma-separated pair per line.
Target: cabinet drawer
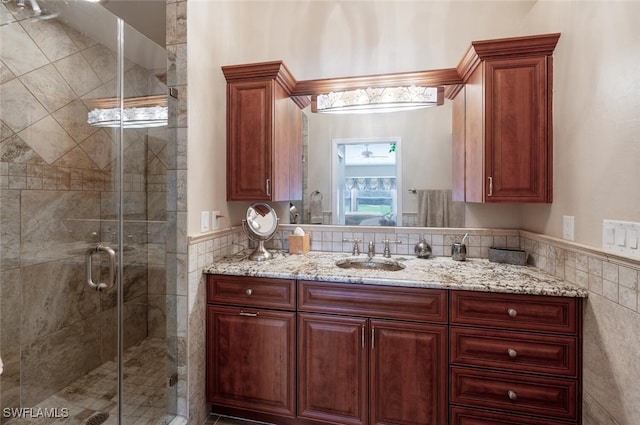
x,y
251,291
512,311
462,416
514,351
553,397
394,302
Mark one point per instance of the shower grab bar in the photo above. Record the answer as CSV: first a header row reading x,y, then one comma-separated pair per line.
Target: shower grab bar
x,y
112,268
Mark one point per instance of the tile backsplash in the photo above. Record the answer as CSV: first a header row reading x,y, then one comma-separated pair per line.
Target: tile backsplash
x,y
609,275
403,239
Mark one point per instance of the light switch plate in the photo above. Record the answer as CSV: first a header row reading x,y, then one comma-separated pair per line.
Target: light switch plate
x,y
621,236
204,221
568,222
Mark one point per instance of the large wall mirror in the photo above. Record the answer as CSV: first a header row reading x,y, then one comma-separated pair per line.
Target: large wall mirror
x,y
424,175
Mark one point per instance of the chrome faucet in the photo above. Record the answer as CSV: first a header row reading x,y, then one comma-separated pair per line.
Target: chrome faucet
x,y
387,249
371,252
356,248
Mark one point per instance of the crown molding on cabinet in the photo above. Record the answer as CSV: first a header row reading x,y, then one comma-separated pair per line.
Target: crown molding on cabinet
x,y
452,78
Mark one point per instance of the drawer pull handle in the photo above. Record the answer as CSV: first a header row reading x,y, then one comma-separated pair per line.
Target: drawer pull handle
x,y
512,353
244,313
512,312
512,395
249,291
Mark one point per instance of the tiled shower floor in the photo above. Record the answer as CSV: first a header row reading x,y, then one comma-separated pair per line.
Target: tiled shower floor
x,y
144,391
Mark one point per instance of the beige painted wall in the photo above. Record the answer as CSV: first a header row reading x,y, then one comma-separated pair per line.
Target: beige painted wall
x,y
596,86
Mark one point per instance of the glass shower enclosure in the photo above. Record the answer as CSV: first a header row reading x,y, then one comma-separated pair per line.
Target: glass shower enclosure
x,y
87,313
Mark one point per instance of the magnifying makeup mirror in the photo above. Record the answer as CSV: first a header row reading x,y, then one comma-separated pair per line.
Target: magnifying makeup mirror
x,y
260,225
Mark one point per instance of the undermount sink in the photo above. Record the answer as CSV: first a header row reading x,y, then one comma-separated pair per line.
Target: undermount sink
x,y
367,263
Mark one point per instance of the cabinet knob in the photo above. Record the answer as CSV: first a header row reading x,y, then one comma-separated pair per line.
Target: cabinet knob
x,y
512,312
249,291
512,353
512,395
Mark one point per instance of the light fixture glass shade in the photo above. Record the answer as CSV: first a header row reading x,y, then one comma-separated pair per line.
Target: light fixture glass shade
x,y
139,112
155,116
383,99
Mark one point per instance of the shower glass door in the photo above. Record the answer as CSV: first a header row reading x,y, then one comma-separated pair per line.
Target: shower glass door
x,y
83,339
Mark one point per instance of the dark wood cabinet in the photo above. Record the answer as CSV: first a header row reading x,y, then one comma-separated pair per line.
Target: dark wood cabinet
x,y
408,380
311,352
251,351
367,371
264,133
372,369
332,368
502,121
515,354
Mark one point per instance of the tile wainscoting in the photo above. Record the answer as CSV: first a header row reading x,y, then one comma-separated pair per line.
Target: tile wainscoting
x,y
611,394
612,313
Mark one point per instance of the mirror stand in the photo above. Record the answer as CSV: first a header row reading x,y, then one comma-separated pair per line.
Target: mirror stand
x,y
260,225
260,253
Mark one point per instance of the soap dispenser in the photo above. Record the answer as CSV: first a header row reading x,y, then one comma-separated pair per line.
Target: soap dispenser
x,y
422,248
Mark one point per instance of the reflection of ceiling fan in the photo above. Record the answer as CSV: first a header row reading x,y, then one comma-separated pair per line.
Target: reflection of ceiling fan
x,y
369,154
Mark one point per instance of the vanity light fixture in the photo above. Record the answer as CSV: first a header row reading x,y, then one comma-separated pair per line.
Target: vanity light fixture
x,y
378,99
138,112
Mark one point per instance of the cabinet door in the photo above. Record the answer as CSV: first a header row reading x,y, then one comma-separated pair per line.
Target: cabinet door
x,y
408,381
517,139
287,145
249,140
332,369
251,359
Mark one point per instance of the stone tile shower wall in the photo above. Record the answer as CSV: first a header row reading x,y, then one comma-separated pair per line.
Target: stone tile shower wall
x,y
57,199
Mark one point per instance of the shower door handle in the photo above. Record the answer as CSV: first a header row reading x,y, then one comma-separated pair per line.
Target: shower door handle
x,y
112,268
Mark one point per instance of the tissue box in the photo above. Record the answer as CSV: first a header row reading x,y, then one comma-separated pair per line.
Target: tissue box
x,y
508,256
299,244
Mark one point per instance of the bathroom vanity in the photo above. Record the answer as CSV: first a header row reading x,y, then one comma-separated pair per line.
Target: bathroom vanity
x,y
298,340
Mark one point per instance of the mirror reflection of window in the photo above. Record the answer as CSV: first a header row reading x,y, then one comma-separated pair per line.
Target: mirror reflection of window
x,y
365,182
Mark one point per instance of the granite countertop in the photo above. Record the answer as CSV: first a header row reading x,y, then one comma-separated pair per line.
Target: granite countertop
x,y
435,272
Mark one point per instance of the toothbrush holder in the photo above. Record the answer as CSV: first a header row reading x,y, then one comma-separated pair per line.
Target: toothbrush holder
x,y
459,251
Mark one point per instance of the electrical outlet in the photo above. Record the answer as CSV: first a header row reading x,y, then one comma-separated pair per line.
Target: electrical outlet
x,y
215,220
568,222
204,221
